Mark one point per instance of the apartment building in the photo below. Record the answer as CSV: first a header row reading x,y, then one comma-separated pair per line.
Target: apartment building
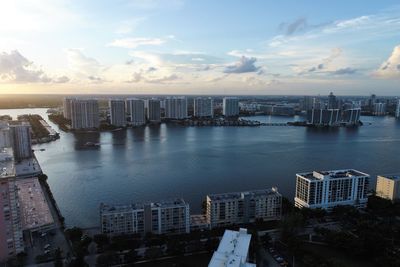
x,y
117,112
136,111
388,186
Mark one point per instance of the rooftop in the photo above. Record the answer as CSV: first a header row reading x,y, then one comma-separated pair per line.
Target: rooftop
x,y
391,176
138,206
232,250
333,174
240,195
34,207
27,167
6,163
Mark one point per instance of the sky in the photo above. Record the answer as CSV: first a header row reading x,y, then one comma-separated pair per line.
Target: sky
x,y
224,47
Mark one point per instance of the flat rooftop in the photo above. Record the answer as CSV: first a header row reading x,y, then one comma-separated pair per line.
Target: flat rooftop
x,y
232,250
240,195
333,174
27,167
138,206
394,177
7,168
35,210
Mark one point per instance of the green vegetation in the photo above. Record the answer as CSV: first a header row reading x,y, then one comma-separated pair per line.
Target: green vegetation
x,y
62,122
38,130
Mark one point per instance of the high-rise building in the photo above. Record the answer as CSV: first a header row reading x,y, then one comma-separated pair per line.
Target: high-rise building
x,y
230,106
21,140
67,107
117,112
136,111
379,109
84,114
307,103
243,207
332,102
327,189
5,139
351,116
176,108
397,113
233,250
203,107
153,110
388,187
166,217
324,117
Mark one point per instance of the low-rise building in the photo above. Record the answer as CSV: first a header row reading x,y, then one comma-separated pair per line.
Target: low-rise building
x,y
388,186
243,207
233,250
165,217
327,189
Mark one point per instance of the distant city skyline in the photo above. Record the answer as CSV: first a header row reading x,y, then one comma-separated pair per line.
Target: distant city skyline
x,y
200,48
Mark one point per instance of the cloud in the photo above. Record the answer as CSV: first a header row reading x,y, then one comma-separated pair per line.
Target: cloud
x,y
16,68
127,26
298,25
344,71
83,65
139,76
164,79
62,79
391,67
244,65
335,53
136,42
156,4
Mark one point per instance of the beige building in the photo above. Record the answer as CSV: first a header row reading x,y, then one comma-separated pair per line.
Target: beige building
x,y
388,186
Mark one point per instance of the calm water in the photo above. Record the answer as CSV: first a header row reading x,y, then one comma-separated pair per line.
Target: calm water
x,y
154,163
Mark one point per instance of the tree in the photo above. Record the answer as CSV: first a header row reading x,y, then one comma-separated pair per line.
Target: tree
x,y
57,258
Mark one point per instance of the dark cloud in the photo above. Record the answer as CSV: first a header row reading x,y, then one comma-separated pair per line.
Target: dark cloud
x,y
62,79
244,65
129,62
96,79
151,69
164,79
344,71
298,25
139,77
398,67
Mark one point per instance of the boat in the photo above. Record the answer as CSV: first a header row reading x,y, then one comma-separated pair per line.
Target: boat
x,y
91,144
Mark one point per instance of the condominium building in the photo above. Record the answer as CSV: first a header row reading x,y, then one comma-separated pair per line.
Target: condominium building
x,y
230,106
136,111
166,217
176,108
84,114
351,116
21,140
327,189
117,112
379,109
388,186
233,250
5,139
243,207
203,107
324,117
153,110
67,107
397,113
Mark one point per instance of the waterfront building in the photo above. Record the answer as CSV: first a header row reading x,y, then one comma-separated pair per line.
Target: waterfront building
x,y
233,250
5,139
20,134
397,113
153,110
379,109
282,110
136,111
203,107
117,112
351,116
388,187
230,106
307,103
84,114
332,102
324,117
166,217
176,108
243,207
327,189
67,107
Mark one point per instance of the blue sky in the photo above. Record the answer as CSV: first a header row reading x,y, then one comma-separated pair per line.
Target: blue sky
x,y
200,47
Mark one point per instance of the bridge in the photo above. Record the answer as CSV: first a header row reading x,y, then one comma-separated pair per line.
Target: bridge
x,y
274,124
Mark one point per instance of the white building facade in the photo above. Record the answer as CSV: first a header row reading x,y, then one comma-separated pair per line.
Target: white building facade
x,y
136,111
117,112
67,107
203,107
243,207
176,108
84,114
327,189
230,106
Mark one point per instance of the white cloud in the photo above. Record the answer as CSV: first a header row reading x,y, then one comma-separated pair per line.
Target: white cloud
x,y
127,26
136,42
84,67
391,67
244,65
